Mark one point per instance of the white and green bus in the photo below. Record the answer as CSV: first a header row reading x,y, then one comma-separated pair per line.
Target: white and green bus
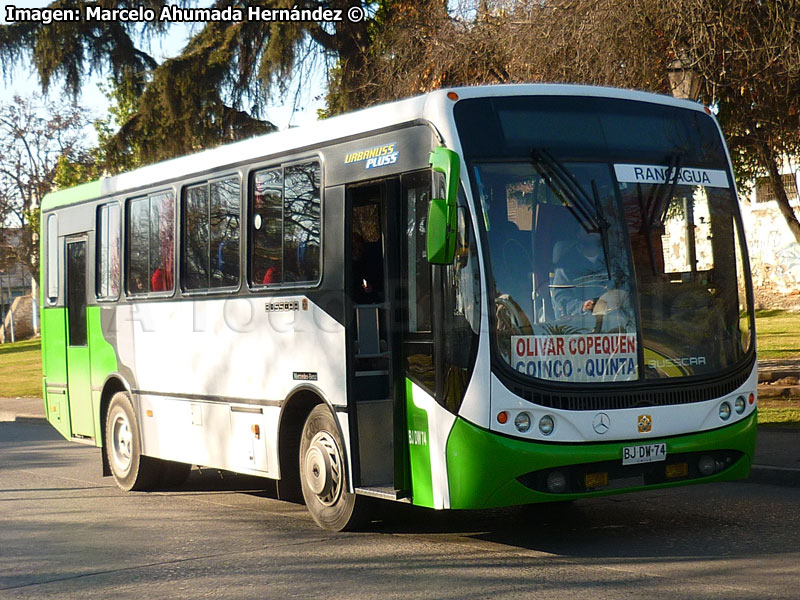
x,y
475,298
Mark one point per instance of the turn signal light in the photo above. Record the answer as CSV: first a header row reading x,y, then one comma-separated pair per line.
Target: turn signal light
x,y
676,470
453,96
502,417
256,431
595,480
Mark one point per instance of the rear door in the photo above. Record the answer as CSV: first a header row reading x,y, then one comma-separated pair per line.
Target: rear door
x,y
78,370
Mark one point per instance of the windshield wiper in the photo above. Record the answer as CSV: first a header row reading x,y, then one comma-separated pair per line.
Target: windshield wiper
x,y
584,207
564,182
657,205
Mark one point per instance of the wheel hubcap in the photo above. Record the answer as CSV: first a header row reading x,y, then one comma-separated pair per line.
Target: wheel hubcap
x,y
121,443
323,468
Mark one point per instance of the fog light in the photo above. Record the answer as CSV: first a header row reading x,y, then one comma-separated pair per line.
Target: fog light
x,y
556,482
546,425
739,405
725,411
522,422
706,465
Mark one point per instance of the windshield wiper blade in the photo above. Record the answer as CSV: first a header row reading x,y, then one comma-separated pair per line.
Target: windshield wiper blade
x,y
571,189
564,182
657,206
661,194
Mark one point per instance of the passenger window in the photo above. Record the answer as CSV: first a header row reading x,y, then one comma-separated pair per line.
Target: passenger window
x,y
267,227
211,235
285,225
151,236
52,259
108,252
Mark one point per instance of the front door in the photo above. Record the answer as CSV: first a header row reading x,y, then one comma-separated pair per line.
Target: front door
x,y
372,256
78,375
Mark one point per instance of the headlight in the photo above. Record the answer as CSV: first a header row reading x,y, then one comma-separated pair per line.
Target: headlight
x,y
739,405
725,411
522,422
546,425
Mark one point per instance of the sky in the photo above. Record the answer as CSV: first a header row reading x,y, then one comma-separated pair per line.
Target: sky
x,y
25,82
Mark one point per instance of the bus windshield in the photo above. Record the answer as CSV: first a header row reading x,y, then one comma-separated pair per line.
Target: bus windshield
x,y
609,262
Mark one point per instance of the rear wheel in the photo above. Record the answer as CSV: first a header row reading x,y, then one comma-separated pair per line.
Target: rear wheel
x,y
130,469
323,476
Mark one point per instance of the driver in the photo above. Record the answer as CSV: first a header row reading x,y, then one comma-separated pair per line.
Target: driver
x,y
580,275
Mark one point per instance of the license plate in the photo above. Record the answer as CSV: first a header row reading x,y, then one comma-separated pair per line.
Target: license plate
x,y
645,453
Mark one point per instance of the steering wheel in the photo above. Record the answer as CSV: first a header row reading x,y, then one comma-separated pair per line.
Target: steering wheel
x,y
510,316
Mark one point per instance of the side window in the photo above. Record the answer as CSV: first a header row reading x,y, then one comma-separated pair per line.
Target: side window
x,y
52,259
108,252
211,235
301,222
462,312
419,344
267,228
285,225
151,236
416,191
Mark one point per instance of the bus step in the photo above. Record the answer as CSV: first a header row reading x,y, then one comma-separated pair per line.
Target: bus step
x,y
385,493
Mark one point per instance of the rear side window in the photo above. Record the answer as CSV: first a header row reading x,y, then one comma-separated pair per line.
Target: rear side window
x,y
52,259
108,252
151,242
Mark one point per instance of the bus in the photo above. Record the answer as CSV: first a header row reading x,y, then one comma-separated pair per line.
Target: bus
x,y
474,298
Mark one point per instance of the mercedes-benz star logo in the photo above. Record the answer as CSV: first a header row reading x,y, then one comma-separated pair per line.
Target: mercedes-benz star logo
x,y
601,423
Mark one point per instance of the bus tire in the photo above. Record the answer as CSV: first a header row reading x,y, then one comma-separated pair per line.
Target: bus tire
x,y
323,474
130,469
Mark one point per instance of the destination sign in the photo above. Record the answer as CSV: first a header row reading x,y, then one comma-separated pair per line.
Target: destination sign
x,y
659,174
579,358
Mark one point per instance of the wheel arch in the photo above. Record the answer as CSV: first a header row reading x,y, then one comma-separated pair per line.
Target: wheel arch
x,y
294,412
113,384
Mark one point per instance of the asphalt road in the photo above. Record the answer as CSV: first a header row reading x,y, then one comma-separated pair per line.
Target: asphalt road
x,y
67,532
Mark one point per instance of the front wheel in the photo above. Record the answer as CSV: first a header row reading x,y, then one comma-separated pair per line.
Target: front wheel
x,y
130,469
323,476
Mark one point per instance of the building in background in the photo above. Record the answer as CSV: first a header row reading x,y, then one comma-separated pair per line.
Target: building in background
x,y
774,253
16,284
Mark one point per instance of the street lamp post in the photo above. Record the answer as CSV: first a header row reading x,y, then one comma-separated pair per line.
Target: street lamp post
x,y
684,80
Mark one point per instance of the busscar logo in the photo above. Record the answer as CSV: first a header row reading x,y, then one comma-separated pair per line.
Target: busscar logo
x,y
645,423
380,156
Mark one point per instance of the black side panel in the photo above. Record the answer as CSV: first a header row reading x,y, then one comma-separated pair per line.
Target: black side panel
x,y
329,296
379,156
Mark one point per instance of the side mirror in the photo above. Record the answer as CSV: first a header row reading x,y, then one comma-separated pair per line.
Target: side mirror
x,y
441,234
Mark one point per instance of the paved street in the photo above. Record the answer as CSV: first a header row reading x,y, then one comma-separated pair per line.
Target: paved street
x,y
66,532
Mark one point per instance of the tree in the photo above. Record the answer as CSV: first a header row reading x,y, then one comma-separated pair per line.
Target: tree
x,y
35,136
748,54
215,91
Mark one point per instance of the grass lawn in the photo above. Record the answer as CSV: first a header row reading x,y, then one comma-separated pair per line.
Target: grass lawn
x,y
778,334
21,369
784,412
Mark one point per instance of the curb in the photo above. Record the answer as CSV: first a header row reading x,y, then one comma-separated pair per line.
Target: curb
x,y
11,417
784,476
772,391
